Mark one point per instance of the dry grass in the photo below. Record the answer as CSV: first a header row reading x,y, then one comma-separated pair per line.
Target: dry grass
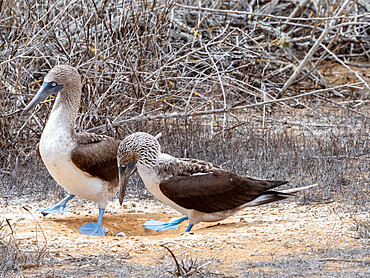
x,y
186,266
274,89
17,254
362,227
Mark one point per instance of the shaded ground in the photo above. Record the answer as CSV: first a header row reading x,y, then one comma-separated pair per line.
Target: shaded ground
x,y
285,238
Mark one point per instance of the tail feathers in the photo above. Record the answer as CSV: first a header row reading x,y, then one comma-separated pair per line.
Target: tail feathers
x,y
295,190
273,196
273,184
268,197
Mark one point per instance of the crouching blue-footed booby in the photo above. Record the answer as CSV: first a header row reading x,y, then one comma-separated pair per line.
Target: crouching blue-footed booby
x,y
84,164
200,190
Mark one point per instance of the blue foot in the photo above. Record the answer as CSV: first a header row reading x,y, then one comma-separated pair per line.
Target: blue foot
x,y
163,226
159,225
54,209
92,229
58,208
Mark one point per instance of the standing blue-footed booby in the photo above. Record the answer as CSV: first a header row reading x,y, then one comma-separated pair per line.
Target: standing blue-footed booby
x,y
84,164
200,190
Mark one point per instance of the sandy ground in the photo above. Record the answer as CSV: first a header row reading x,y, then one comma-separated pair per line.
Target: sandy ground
x,y
285,238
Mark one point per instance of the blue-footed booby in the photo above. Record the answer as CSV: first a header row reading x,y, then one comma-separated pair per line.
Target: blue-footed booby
x,y
84,164
200,190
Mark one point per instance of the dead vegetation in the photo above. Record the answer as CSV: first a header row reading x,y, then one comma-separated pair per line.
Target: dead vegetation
x,y
187,266
362,226
275,89
16,256
153,60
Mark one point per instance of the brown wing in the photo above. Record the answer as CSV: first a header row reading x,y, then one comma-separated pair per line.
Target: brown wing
x,y
96,155
215,190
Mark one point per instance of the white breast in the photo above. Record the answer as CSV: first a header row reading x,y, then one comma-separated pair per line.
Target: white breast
x,y
56,145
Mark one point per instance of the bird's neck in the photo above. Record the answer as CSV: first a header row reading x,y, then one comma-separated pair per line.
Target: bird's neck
x,y
64,112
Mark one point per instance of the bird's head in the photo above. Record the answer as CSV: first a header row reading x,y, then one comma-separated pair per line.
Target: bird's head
x,y
56,81
139,147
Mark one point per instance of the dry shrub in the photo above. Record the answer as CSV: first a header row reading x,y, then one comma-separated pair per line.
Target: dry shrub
x,y
15,254
155,65
362,227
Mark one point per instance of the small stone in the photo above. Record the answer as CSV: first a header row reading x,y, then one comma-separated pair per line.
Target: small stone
x,y
121,234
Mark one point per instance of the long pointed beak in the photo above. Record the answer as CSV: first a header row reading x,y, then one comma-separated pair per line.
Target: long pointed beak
x,y
47,89
124,174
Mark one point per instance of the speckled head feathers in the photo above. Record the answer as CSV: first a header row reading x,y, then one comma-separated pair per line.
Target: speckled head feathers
x,y
140,147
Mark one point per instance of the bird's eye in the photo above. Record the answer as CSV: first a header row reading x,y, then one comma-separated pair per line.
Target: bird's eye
x,y
53,84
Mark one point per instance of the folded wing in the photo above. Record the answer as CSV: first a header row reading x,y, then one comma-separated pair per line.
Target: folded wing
x,y
211,189
96,155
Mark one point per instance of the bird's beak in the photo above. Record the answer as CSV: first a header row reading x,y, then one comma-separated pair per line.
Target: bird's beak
x,y
124,174
47,89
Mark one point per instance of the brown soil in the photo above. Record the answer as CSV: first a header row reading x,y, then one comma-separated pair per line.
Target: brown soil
x,y
262,234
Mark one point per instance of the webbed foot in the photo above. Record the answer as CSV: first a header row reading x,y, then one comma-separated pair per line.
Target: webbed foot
x,y
61,207
159,225
92,229
54,209
162,225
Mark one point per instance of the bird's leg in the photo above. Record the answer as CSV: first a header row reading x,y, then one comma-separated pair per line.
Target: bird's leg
x,y
189,228
92,229
99,229
164,226
58,208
